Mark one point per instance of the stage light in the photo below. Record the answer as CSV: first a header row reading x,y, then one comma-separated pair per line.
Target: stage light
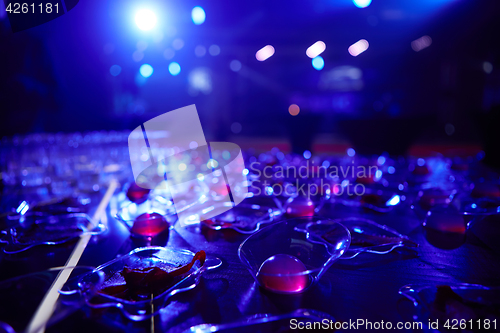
x,y
115,70
146,70
235,65
174,68
264,53
145,19
316,49
198,15
362,3
421,43
359,47
318,63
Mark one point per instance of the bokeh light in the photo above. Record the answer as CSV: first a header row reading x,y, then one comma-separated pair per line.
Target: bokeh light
x,y
146,70
294,109
318,63
265,53
198,15
362,3
421,43
359,47
235,65
145,19
316,49
174,68
115,70
200,51
214,50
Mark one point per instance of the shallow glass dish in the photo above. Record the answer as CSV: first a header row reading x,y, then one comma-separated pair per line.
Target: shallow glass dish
x,y
245,219
148,218
52,230
366,235
146,257
271,323
457,303
284,260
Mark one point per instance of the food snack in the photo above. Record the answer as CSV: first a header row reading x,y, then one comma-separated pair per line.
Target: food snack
x,y
135,284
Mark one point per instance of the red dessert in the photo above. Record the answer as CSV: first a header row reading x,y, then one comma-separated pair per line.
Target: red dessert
x,y
137,194
136,283
149,224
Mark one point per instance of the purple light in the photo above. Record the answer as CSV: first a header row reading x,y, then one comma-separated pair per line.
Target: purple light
x,y
359,47
264,53
316,49
421,43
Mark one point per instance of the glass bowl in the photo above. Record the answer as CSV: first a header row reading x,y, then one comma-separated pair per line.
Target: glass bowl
x,y
245,219
52,230
140,258
285,260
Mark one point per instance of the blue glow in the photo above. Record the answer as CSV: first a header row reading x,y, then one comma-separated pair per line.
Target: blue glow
x,y
115,70
351,152
145,19
378,174
325,163
23,208
393,201
474,206
146,70
401,187
174,68
358,230
391,170
198,15
420,161
381,160
318,63
362,3
307,154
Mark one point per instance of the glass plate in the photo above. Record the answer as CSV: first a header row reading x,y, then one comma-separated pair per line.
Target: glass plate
x,y
271,323
141,258
366,235
288,247
243,218
52,230
465,302
377,200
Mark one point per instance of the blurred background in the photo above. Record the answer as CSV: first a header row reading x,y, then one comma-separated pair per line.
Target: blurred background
x,y
381,75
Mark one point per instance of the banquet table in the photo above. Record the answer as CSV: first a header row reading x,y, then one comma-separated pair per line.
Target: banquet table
x,y
365,287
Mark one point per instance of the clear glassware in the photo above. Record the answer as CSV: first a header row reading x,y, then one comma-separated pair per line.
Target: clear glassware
x,y
51,230
366,235
161,257
283,259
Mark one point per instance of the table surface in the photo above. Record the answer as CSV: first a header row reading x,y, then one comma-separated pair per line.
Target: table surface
x,y
365,287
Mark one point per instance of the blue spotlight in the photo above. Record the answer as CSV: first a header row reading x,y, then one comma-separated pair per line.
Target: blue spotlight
x,y
174,68
318,63
146,70
145,19
198,15
362,3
